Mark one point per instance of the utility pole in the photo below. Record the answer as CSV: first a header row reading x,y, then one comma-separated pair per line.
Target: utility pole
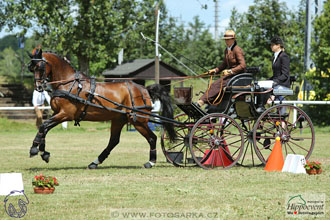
x,y
156,46
308,36
216,20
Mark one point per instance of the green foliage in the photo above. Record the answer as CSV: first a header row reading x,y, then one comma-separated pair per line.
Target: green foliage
x,y
9,41
321,47
312,165
13,59
90,30
263,20
9,63
93,32
193,46
44,181
321,57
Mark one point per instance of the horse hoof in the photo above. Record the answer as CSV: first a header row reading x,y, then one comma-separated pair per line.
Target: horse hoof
x,y
92,166
33,151
148,165
45,156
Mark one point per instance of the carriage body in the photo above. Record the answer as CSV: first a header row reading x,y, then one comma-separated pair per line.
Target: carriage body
x,y
235,132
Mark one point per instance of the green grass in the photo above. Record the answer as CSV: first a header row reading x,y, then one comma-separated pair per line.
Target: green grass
x,y
121,182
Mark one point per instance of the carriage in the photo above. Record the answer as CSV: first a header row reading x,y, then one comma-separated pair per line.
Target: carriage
x,y
220,137
236,133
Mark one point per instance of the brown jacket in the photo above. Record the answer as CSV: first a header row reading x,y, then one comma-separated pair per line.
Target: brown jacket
x,y
234,60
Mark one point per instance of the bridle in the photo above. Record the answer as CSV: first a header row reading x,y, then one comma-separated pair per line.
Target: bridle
x,y
42,80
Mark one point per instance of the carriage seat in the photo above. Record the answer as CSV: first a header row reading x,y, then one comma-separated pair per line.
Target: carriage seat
x,y
243,82
240,83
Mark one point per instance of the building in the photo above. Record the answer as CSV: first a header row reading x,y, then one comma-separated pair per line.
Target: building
x,y
140,70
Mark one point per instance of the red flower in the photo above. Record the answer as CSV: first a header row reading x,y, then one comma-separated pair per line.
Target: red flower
x,y
44,181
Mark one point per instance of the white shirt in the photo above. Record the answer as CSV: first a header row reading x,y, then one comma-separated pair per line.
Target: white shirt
x,y
276,55
40,97
229,48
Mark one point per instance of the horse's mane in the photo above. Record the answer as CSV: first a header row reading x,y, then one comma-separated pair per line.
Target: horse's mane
x,y
62,58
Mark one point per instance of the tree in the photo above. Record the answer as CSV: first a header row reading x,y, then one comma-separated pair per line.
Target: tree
x,y
9,64
321,57
263,20
90,30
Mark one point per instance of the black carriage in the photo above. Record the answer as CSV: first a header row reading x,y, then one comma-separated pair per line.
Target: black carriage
x,y
241,132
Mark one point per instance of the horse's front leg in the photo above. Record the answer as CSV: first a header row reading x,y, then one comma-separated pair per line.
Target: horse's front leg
x,y
39,142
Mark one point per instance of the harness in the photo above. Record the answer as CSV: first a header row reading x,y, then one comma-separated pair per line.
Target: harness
x,y
90,96
133,103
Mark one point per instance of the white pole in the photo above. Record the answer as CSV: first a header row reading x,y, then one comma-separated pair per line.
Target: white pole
x,y
294,113
156,47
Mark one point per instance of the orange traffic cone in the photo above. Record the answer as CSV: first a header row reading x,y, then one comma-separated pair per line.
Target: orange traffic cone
x,y
275,160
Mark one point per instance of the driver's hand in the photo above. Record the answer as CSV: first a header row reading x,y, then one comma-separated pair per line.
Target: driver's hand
x,y
212,72
227,72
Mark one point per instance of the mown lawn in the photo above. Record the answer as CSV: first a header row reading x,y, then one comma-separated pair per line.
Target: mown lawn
x,y
122,183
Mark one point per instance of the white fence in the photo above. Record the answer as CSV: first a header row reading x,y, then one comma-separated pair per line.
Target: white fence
x,y
295,103
22,108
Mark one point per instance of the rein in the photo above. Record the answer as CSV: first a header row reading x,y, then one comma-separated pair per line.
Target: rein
x,y
179,77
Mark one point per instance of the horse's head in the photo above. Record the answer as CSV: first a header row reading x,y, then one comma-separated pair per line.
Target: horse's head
x,y
41,69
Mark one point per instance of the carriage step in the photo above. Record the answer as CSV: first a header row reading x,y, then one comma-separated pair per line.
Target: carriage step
x,y
192,110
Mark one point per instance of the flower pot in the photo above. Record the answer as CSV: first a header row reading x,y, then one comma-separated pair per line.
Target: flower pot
x,y
319,171
311,171
44,190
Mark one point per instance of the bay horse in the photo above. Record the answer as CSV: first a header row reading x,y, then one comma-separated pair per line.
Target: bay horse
x,y
78,97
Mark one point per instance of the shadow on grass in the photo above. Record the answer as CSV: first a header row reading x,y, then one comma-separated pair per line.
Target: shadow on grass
x,y
34,169
82,168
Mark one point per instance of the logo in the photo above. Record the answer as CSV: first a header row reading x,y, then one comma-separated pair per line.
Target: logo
x,y
11,210
305,205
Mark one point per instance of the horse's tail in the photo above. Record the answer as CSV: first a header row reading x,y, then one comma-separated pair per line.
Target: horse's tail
x,y
156,91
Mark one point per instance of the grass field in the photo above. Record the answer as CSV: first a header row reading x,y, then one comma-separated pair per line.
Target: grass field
x,y
121,182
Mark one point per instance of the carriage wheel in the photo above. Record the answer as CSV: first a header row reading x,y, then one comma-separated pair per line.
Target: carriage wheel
x,y
249,157
177,152
216,141
297,134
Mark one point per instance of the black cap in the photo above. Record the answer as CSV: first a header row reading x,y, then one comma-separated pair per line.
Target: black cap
x,y
277,40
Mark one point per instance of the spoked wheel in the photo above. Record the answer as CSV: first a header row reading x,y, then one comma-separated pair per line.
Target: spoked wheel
x,y
216,141
296,133
249,157
178,152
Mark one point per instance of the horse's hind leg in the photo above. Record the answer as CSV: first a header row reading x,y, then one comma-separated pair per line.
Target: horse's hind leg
x,y
116,127
144,129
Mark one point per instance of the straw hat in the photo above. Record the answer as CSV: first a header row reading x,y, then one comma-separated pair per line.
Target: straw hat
x,y
229,34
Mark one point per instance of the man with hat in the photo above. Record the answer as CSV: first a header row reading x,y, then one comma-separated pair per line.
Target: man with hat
x,y
232,64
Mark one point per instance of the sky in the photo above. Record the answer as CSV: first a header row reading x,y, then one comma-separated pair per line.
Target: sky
x,y
185,10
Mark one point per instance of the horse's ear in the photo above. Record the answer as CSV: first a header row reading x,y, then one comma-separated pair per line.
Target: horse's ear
x,y
39,55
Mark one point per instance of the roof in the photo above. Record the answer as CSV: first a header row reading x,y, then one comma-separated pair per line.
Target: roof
x,y
143,69
129,67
